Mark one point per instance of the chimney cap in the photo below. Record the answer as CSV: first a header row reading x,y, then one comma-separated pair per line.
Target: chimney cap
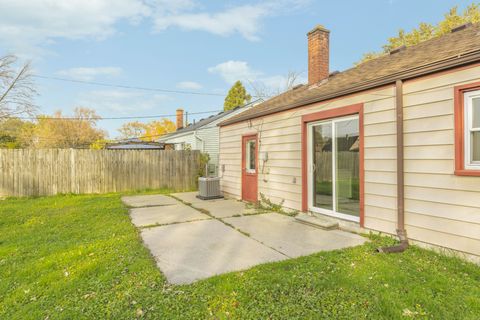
x,y
318,27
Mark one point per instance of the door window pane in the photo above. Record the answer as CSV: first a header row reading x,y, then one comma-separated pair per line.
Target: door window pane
x,y
250,158
347,145
322,166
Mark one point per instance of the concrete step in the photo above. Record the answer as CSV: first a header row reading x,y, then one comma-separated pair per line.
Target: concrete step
x,y
318,222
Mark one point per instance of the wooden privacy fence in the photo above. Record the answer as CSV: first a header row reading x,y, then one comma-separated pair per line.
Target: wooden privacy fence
x,y
347,161
31,172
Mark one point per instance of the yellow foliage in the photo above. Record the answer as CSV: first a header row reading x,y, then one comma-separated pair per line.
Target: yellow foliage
x,y
78,131
156,129
147,131
426,31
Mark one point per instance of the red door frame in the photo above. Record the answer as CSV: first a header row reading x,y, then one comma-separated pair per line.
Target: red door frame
x,y
249,176
329,114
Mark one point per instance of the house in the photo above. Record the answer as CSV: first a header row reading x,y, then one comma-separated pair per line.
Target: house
x,y
137,144
202,135
391,145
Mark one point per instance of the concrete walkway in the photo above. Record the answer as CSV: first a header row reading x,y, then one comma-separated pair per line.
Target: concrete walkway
x,y
223,236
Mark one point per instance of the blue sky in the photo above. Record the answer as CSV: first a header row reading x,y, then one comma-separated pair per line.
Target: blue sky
x,y
190,45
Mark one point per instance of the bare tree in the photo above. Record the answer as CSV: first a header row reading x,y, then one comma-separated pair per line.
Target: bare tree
x,y
16,88
262,90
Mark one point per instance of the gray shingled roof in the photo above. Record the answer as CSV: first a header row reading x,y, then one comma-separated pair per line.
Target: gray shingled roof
x,y
203,122
448,51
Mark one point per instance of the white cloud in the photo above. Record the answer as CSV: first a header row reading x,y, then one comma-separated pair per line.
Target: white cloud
x,y
189,85
232,71
89,74
245,20
26,25
273,85
123,102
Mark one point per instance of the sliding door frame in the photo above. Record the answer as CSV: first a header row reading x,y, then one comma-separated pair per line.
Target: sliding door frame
x,y
356,109
311,181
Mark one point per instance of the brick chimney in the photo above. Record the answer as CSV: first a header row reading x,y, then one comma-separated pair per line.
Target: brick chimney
x,y
318,54
179,119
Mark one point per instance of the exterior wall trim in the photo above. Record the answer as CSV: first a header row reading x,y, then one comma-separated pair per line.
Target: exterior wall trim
x,y
459,112
328,114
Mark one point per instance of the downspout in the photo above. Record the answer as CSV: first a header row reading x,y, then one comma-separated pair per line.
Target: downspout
x,y
401,232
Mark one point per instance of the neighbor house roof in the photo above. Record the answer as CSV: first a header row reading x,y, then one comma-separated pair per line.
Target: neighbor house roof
x,y
203,122
135,143
460,47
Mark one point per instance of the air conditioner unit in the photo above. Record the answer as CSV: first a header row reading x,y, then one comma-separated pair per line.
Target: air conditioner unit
x,y
209,188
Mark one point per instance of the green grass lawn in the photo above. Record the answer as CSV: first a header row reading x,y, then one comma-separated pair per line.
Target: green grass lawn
x,y
79,257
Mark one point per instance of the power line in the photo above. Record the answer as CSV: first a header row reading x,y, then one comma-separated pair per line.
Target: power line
x,y
105,84
108,118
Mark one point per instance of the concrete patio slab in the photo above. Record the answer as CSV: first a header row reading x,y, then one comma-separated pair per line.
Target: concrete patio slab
x,y
196,250
149,200
223,209
292,238
191,197
165,215
219,208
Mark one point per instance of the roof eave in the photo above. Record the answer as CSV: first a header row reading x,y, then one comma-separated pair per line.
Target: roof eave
x,y
452,62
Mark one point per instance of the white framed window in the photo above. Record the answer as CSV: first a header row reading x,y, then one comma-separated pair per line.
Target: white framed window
x,y
250,156
472,130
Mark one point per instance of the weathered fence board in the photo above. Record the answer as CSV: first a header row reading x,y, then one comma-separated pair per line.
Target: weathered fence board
x,y
28,172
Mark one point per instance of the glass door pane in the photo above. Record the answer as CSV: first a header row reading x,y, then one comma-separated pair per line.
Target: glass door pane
x,y
322,166
347,145
251,160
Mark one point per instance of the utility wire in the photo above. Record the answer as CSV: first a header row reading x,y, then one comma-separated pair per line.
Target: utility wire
x,y
105,84
113,85
108,118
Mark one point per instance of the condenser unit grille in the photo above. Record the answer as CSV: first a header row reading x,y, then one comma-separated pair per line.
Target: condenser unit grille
x,y
209,188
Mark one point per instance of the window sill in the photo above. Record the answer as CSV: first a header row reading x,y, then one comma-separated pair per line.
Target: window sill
x,y
471,173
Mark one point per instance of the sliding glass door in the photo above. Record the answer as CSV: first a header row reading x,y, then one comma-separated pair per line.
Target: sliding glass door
x,y
333,166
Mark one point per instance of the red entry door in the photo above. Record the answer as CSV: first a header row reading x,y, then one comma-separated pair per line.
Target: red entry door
x,y
250,168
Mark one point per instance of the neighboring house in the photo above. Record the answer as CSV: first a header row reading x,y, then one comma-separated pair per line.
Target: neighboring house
x,y
137,144
393,143
203,134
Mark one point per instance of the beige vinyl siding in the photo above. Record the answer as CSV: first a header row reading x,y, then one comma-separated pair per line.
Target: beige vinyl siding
x,y
441,208
280,135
